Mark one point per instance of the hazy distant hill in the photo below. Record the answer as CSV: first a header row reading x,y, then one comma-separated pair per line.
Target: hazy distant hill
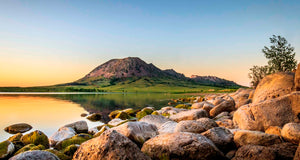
x,y
132,69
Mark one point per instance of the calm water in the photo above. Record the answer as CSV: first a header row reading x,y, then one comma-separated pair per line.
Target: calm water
x,y
49,111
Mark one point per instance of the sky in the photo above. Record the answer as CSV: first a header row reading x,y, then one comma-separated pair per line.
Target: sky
x,y
52,42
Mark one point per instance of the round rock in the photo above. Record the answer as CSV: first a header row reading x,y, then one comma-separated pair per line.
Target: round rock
x,y
18,128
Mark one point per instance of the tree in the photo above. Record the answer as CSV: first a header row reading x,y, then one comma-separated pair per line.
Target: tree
x,y
280,54
257,73
281,59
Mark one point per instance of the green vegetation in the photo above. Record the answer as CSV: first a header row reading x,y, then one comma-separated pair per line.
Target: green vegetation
x,y
137,85
36,137
281,58
77,139
30,147
3,147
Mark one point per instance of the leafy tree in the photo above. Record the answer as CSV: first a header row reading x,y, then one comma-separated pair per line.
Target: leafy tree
x,y
257,73
280,54
281,58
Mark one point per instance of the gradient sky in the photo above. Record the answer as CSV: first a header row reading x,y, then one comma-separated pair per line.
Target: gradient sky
x,y
51,42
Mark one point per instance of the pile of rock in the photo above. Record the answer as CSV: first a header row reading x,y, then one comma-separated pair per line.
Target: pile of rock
x,y
247,124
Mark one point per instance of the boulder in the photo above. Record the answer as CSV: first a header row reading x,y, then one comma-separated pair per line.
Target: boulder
x,y
36,137
217,100
297,78
62,134
35,155
254,152
59,154
181,145
192,126
274,112
83,114
94,117
30,147
227,123
245,137
167,127
193,114
291,132
156,120
104,128
221,137
241,97
93,130
167,111
297,154
281,151
138,132
274,130
223,115
207,123
203,105
273,86
71,149
123,115
79,126
6,149
16,140
109,145
113,114
18,128
116,122
284,150
77,139
227,105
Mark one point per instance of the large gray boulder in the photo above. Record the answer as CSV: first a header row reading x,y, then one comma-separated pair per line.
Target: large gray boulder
x,y
195,126
138,132
192,126
79,126
182,145
156,120
109,145
291,132
221,137
274,112
193,114
273,86
35,155
62,134
168,127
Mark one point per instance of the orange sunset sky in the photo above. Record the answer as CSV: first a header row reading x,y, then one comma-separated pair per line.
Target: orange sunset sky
x,y
52,42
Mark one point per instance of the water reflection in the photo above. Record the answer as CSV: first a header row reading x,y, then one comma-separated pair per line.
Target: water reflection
x,y
47,112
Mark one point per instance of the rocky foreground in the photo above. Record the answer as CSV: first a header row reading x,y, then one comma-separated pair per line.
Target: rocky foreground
x,y
261,124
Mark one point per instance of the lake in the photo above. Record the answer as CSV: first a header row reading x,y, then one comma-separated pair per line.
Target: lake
x,y
49,111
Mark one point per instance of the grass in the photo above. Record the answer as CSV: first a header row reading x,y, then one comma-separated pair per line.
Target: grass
x,y
144,84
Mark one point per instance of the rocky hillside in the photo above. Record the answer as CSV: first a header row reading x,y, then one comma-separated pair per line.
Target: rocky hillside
x,y
124,68
134,67
213,80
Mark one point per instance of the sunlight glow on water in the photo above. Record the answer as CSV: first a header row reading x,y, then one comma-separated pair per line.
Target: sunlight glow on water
x,y
42,113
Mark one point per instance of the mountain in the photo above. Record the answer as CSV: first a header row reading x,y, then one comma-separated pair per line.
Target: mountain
x,y
213,80
124,68
132,70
